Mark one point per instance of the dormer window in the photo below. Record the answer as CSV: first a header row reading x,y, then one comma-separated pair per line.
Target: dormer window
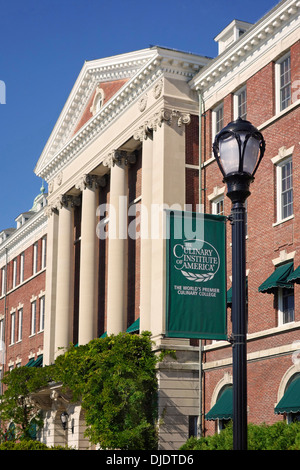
x,y
231,34
98,101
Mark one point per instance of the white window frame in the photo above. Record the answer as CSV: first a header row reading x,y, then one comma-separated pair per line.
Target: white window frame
x,y
44,252
42,313
284,156
33,318
279,191
12,326
278,100
22,260
20,323
280,308
215,129
214,205
236,102
3,281
35,258
15,267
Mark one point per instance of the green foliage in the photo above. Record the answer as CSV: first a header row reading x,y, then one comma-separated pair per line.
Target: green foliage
x,y
278,436
16,406
29,445
115,378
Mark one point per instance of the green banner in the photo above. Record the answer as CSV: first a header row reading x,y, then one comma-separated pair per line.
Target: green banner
x,y
196,276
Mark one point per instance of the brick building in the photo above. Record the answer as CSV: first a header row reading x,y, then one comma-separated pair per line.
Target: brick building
x,y
22,301
128,140
257,78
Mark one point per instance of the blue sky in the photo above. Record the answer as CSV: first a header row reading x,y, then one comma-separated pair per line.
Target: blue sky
x,y
43,45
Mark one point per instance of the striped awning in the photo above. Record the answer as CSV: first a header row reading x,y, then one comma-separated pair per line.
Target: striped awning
x,y
223,409
290,402
279,278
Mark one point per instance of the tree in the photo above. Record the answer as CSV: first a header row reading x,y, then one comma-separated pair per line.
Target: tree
x,y
115,378
16,406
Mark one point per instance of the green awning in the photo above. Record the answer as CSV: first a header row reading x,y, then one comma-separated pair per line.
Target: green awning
x,y
229,294
30,363
134,327
223,409
277,279
38,362
294,276
290,402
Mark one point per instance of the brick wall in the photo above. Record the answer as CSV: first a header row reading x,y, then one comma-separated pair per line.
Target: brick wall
x,y
109,89
265,241
33,287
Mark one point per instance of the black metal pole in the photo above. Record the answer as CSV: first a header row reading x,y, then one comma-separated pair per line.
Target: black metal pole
x,y
238,191
239,348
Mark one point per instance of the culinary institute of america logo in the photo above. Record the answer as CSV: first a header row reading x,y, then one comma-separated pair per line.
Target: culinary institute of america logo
x,y
197,260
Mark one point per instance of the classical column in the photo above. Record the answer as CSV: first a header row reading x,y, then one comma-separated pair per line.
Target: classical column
x,y
51,271
168,189
146,242
88,259
64,302
116,312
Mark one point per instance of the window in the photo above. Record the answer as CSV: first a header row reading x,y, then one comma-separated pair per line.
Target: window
x,y
33,317
284,189
218,206
240,103
42,313
44,252
14,272
283,83
193,425
22,258
12,327
285,306
20,324
217,120
35,258
3,281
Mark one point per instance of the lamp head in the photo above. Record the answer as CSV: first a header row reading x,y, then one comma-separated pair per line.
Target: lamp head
x,y
238,149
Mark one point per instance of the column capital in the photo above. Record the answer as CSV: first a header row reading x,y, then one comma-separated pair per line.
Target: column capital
x,y
66,200
90,181
169,116
119,157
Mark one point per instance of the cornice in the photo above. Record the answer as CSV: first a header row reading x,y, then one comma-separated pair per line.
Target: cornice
x,y
250,42
157,64
36,223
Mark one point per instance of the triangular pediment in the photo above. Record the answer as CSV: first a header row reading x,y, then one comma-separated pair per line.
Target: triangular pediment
x,y
109,80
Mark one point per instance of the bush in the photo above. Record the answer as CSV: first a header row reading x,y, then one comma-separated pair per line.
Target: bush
x,y
278,436
29,445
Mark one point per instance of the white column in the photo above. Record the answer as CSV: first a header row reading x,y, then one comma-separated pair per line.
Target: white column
x,y
168,188
146,242
64,303
116,312
88,259
51,271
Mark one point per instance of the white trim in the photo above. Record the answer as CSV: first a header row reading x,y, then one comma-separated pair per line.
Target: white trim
x,y
236,96
279,168
277,83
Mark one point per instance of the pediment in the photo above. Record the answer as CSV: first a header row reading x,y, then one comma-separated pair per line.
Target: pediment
x,y
112,80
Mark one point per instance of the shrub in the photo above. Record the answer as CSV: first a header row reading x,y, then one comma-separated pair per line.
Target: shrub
x,y
29,445
278,436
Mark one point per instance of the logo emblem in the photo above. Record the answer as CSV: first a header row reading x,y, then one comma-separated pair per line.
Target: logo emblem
x,y
197,260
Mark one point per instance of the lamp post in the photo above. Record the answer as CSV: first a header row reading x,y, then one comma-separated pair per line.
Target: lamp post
x,y
238,149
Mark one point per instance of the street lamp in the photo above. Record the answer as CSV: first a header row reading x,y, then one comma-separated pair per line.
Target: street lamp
x,y
64,419
238,149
